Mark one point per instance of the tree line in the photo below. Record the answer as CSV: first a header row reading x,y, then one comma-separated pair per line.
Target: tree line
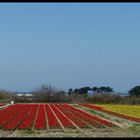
x,y
84,90
48,94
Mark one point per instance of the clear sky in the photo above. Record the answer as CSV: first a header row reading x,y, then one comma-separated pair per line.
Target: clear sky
x,y
69,45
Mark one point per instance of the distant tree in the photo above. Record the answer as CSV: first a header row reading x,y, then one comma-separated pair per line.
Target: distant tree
x,y
59,96
109,89
70,91
83,90
104,89
75,91
95,89
44,93
135,91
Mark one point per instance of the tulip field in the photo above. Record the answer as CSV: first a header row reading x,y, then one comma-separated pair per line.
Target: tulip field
x,y
47,116
43,116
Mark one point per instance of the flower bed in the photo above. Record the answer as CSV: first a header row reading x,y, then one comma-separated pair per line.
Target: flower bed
x,y
94,120
9,114
111,112
52,121
41,120
28,121
71,116
19,117
65,122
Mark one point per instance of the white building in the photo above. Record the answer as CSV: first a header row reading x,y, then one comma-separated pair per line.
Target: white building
x,y
27,95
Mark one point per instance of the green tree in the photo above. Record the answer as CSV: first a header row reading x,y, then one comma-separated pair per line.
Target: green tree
x,y
83,90
95,89
135,91
109,89
75,92
104,89
70,91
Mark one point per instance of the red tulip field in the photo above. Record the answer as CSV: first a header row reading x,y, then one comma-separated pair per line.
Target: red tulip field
x,y
40,117
36,116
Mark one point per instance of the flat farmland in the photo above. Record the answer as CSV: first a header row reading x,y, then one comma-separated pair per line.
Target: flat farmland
x,y
69,120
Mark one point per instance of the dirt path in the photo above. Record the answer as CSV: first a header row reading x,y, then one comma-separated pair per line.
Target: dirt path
x,y
99,132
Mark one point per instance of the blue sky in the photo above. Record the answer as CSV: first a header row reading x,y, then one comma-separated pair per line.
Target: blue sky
x,y
69,45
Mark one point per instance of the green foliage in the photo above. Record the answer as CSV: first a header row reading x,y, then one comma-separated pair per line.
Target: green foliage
x,y
94,89
70,92
135,91
82,90
113,99
103,89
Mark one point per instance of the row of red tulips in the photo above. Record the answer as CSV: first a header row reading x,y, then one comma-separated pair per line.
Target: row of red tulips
x,y
83,116
79,122
41,119
11,118
64,120
39,116
27,123
112,113
12,124
6,111
52,121
94,120
9,114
